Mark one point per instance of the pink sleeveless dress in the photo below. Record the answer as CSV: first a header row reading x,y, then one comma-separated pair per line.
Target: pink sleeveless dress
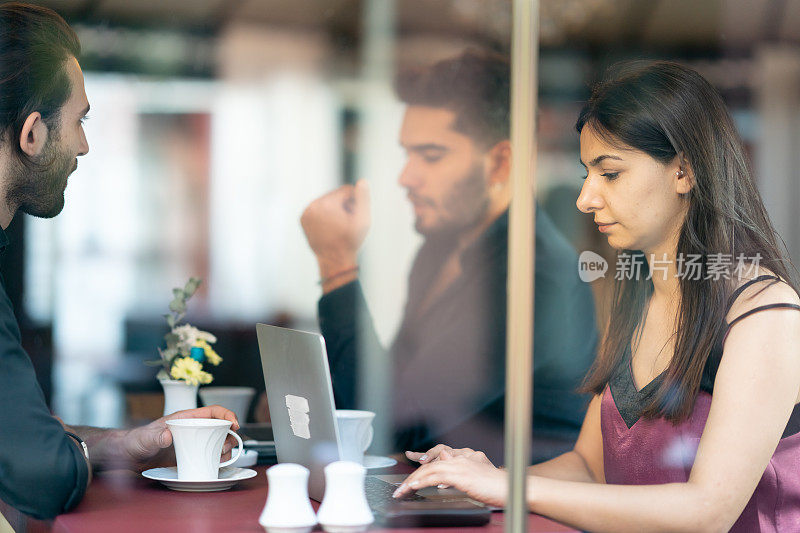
x,y
638,451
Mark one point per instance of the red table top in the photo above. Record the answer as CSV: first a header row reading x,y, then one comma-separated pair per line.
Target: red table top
x,y
121,502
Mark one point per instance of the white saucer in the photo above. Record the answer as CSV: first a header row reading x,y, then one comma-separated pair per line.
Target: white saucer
x,y
228,477
373,462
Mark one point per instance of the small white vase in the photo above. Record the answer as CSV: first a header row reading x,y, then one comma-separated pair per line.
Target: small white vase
x,y
178,395
237,399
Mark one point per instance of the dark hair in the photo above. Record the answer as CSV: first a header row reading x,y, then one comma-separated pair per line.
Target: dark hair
x,y
35,42
665,109
474,85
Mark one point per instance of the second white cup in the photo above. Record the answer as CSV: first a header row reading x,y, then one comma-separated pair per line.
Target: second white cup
x,y
198,446
355,433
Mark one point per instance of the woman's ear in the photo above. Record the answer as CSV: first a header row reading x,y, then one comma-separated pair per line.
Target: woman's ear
x,y
33,137
684,176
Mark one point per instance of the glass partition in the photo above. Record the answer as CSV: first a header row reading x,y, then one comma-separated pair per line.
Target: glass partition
x,y
352,168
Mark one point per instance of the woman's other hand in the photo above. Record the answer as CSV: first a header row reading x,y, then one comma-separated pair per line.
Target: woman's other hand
x,y
443,452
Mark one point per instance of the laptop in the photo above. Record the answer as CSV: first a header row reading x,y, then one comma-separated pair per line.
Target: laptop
x,y
303,416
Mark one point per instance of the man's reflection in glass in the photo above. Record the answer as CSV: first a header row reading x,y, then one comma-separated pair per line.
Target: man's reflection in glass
x,y
449,353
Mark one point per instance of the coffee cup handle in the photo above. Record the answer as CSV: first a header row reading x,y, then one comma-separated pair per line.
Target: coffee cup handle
x,y
240,447
368,440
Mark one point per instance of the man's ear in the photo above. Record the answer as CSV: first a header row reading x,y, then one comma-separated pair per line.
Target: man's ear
x,y
33,136
498,161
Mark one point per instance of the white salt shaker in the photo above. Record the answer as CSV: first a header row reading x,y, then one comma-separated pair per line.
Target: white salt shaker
x,y
344,508
288,509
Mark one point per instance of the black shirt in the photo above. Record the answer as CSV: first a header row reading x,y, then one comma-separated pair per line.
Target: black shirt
x,y
42,471
449,359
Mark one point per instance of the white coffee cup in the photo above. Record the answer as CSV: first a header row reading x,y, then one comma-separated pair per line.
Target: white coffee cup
x,y
198,446
355,433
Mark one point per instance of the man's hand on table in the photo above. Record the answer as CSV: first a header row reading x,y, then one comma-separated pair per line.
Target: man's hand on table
x,y
147,446
151,445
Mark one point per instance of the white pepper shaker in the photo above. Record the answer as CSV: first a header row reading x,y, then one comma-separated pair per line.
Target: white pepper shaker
x,y
344,508
288,509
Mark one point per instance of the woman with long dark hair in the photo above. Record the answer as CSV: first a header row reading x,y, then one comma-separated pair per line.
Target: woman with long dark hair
x,y
695,420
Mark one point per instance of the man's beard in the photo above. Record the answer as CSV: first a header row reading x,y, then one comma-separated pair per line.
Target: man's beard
x,y
465,206
38,188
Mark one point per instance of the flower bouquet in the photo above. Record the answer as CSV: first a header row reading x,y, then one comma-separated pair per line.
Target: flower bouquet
x,y
188,348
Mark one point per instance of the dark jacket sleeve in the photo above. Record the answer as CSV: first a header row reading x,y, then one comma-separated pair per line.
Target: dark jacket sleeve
x,y
565,336
42,472
348,330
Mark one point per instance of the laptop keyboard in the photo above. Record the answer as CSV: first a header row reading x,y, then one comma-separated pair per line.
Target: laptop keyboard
x,y
379,493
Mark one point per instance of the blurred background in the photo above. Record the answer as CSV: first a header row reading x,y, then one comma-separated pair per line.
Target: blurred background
x,y
215,122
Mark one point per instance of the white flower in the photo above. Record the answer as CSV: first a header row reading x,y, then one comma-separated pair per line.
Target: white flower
x,y
189,335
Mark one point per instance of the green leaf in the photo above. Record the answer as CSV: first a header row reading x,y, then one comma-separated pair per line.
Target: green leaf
x,y
167,354
171,321
171,340
177,306
178,294
191,287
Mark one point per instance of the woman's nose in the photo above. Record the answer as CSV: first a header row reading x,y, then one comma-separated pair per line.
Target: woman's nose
x,y
589,199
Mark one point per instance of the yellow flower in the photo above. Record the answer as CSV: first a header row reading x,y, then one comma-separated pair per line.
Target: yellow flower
x,y
211,356
190,371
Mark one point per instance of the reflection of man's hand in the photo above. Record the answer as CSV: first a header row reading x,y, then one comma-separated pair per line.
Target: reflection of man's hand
x,y
335,226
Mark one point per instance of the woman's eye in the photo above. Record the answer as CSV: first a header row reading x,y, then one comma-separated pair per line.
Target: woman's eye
x,y
608,175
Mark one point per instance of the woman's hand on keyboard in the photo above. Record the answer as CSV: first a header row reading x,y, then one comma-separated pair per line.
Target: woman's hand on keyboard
x,y
466,472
